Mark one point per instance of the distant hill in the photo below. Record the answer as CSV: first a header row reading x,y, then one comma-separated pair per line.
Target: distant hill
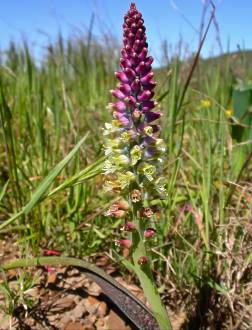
x,y
237,58
238,63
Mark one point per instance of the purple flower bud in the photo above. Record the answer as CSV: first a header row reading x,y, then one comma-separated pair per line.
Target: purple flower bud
x,y
126,41
126,243
114,211
121,76
132,133
147,212
130,21
135,86
136,114
131,101
143,260
119,106
128,226
124,121
138,45
140,23
131,36
141,68
147,105
124,63
145,95
149,140
143,53
139,33
121,118
118,94
149,232
133,27
152,116
128,49
150,85
124,53
126,32
134,59
125,89
147,78
130,73
149,61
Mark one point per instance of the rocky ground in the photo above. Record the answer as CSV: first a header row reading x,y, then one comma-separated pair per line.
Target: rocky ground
x,y
62,298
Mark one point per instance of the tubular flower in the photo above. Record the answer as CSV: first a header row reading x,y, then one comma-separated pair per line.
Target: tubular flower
x,y
142,260
134,150
126,243
131,140
149,232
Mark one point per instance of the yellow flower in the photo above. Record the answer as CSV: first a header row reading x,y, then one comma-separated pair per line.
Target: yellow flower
x,y
205,104
228,112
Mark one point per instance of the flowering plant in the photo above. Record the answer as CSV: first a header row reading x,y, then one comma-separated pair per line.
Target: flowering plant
x,y
135,153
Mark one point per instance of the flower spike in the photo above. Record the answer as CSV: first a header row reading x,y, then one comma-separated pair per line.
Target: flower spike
x,y
135,154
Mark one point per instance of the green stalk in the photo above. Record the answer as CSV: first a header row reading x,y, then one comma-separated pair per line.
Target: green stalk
x,y
145,276
147,283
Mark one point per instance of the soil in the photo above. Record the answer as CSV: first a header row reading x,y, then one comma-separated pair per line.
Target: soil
x,y
63,298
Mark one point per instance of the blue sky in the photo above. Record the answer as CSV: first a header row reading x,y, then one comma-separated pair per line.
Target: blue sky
x,y
40,20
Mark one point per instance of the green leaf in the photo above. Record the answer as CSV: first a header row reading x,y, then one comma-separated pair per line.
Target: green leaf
x,y
3,190
89,172
45,184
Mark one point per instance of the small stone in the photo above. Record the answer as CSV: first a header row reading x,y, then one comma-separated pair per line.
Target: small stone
x,y
88,325
92,318
94,289
91,304
102,309
115,322
101,324
64,303
75,326
65,319
53,317
78,311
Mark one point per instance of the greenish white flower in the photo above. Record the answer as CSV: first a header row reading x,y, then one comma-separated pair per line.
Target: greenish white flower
x,y
109,167
148,170
125,137
111,128
160,185
120,160
135,154
160,144
124,179
148,130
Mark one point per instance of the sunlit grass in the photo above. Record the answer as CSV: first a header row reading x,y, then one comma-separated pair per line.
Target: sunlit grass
x,y
204,227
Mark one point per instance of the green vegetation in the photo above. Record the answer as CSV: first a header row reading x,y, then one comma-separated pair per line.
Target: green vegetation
x,y
51,154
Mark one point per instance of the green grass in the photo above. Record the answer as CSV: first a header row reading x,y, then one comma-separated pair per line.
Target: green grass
x,y
51,188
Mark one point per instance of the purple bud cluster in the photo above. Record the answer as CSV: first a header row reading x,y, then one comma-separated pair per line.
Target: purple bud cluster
x,y
136,84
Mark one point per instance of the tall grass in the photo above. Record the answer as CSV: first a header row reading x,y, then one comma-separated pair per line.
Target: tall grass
x,y
46,109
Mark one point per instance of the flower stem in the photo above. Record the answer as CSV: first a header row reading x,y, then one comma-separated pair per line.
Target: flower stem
x,y
145,277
